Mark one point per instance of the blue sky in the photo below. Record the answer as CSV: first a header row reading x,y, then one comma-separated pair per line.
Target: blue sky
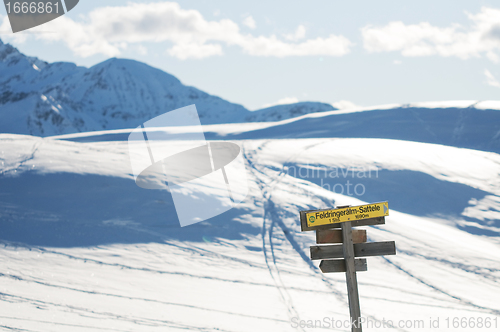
x,y
261,53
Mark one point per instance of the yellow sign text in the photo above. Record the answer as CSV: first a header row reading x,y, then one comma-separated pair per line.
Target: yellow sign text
x,y
325,217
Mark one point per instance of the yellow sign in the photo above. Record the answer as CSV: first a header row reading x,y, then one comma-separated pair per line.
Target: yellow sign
x,y
325,217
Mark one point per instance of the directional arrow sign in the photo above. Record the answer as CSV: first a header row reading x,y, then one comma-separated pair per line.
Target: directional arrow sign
x,y
360,250
338,265
352,213
324,236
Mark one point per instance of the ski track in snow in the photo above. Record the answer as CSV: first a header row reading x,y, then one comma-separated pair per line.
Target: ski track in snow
x,y
438,289
23,161
267,237
267,233
88,313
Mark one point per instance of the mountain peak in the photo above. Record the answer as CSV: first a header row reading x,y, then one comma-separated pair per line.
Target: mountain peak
x,y
7,50
44,99
11,55
135,68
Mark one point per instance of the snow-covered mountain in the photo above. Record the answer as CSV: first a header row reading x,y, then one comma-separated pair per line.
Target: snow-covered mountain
x,y
287,111
41,98
45,99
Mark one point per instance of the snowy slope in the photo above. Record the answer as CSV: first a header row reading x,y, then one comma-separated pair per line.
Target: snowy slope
x,y
288,111
83,248
465,124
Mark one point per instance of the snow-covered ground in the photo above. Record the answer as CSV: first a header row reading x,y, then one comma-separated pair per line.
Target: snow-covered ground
x,y
82,248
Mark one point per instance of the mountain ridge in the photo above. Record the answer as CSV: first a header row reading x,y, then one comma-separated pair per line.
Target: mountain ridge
x,y
43,99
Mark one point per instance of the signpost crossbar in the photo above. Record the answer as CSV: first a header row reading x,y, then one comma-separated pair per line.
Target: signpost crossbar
x,y
338,265
366,249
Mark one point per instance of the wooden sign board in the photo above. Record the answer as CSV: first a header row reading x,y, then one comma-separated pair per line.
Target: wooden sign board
x,y
335,236
351,213
338,265
360,250
355,223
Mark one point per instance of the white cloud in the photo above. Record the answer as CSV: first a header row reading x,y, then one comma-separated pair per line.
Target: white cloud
x,y
493,57
106,30
249,22
491,80
142,50
345,105
272,46
194,51
423,39
282,101
299,34
5,26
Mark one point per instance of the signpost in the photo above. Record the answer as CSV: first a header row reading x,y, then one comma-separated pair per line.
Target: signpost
x,y
342,257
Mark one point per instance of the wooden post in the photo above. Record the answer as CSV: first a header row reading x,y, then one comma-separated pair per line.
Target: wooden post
x,y
352,282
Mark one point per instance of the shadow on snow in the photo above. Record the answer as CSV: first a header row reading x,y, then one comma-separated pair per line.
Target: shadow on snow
x,y
72,210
